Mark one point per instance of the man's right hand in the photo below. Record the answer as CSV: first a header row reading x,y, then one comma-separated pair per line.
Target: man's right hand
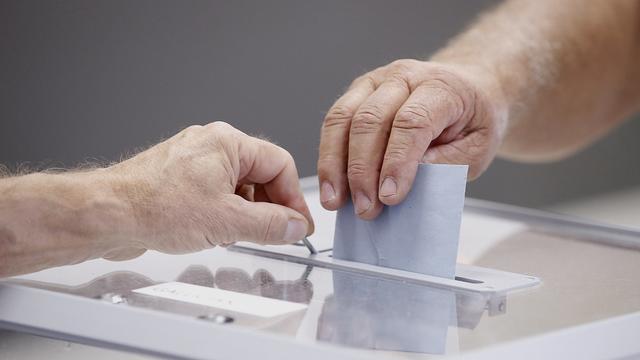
x,y
399,115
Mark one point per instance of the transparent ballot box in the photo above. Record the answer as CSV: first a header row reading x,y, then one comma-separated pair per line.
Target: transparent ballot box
x,y
525,280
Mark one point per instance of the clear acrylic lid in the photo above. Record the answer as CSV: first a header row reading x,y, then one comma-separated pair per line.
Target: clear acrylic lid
x,y
588,273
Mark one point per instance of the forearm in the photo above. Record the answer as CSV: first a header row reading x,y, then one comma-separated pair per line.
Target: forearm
x,y
50,220
177,197
565,71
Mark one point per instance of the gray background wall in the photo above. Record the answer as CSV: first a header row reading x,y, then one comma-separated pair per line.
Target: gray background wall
x,y
92,79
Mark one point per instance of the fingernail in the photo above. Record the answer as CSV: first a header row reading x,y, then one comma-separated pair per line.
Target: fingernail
x,y
296,230
388,188
362,203
327,193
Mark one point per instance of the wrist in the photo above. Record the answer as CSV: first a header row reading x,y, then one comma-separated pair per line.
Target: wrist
x,y
111,213
491,88
60,219
139,206
93,212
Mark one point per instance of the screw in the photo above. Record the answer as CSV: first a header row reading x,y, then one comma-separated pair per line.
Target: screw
x,y
501,307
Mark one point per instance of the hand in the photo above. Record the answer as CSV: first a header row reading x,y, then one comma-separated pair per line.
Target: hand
x,y
399,115
211,185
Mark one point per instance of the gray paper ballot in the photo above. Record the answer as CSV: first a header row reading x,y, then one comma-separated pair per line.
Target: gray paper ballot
x,y
419,235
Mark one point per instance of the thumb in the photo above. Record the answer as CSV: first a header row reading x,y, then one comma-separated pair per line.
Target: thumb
x,y
473,150
267,223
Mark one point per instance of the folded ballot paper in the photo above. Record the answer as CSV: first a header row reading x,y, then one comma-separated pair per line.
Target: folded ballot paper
x,y
419,235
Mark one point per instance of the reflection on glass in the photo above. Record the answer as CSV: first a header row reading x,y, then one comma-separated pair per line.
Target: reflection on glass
x,y
117,287
359,311
390,315
386,315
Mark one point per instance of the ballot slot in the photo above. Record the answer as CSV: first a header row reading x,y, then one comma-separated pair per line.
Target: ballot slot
x,y
468,278
457,278
464,279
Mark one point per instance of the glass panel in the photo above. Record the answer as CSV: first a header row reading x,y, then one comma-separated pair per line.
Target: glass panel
x,y
17,345
584,279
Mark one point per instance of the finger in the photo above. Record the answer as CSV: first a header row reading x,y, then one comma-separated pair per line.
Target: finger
x,y
260,194
262,162
246,191
421,119
264,223
334,140
124,254
368,138
476,150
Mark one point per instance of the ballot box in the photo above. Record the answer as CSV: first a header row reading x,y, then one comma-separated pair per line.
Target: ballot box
x,y
528,284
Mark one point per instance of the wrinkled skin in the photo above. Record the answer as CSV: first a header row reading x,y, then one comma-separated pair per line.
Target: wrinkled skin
x,y
397,116
212,185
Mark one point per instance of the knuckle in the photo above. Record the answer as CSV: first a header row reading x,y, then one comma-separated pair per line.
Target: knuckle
x,y
368,119
213,129
190,131
222,131
456,93
331,166
444,85
357,169
401,77
286,155
193,128
402,80
364,79
398,151
273,225
328,161
403,64
338,116
402,70
218,125
413,116
409,124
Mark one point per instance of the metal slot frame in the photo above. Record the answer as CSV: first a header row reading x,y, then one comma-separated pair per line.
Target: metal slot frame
x,y
477,279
